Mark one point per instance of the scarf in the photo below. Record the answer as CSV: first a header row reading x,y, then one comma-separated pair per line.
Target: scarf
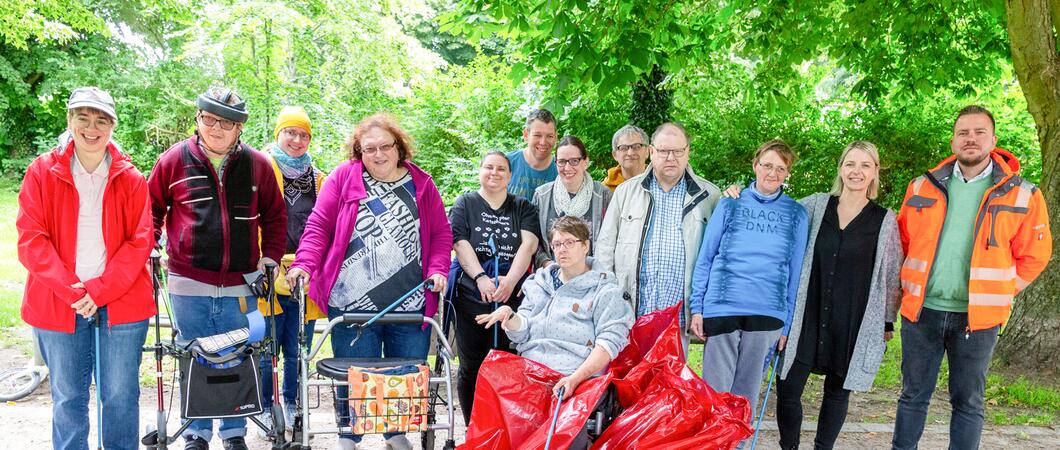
x,y
579,204
291,167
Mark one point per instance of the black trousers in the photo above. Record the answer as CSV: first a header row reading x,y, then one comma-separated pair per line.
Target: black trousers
x,y
789,408
473,343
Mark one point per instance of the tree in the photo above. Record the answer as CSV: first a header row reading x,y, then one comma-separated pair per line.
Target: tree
x,y
898,51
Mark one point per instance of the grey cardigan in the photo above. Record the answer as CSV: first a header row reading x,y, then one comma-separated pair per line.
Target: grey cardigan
x,y
543,201
884,296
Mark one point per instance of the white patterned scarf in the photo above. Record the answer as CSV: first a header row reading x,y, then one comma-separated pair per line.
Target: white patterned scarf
x,y
578,205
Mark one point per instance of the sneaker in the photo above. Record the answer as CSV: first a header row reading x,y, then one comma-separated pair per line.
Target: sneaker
x,y
235,443
398,442
288,415
266,419
196,444
347,444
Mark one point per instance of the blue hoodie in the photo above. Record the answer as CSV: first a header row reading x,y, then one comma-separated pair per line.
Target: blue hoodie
x,y
751,258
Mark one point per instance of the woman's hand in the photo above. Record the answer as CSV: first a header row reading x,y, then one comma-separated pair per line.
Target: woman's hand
x,y
783,342
697,327
504,289
485,288
501,315
440,282
568,384
732,192
85,306
294,274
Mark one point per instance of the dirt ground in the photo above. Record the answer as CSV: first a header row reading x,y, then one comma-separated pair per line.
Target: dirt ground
x,y
26,424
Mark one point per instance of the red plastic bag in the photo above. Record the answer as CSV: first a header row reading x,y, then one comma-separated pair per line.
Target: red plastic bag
x,y
666,404
514,405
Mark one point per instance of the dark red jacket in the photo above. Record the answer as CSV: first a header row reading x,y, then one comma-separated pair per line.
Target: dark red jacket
x,y
213,226
47,243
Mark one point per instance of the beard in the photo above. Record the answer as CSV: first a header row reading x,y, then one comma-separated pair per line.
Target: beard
x,y
972,160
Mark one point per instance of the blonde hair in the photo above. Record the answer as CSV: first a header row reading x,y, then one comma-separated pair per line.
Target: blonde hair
x,y
870,149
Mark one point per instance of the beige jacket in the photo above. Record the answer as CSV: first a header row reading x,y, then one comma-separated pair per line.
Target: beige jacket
x,y
618,246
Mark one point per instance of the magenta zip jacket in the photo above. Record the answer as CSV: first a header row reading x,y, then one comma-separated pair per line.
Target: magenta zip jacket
x,y
330,226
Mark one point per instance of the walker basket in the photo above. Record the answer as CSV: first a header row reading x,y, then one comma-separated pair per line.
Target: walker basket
x,y
389,400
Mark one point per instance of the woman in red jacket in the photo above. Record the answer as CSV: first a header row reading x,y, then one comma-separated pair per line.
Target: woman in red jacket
x,y
84,235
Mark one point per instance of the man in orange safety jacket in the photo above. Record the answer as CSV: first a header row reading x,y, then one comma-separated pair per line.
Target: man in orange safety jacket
x,y
975,234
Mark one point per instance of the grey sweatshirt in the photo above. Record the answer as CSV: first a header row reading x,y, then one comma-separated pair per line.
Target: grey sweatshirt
x,y
561,326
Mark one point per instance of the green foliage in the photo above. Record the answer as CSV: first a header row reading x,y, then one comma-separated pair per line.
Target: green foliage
x,y
37,22
459,115
574,46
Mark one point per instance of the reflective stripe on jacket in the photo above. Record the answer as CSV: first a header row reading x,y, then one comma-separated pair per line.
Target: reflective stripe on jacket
x,y
1012,240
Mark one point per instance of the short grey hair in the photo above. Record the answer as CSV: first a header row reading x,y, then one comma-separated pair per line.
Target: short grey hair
x,y
626,131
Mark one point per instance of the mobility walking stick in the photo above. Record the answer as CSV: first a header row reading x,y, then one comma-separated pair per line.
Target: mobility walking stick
x,y
99,391
156,289
278,427
555,418
496,284
774,359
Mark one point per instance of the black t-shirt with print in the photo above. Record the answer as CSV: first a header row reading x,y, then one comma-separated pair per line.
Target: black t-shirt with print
x,y
473,220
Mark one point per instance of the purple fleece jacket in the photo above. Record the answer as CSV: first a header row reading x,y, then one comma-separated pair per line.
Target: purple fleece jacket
x,y
330,226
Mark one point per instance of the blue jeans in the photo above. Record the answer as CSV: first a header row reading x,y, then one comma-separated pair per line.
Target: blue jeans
x,y
391,341
923,344
287,337
70,358
198,316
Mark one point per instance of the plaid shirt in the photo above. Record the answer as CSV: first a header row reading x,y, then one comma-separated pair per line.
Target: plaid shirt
x,y
662,270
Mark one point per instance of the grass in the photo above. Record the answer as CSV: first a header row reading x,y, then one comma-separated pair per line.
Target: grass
x,y
12,274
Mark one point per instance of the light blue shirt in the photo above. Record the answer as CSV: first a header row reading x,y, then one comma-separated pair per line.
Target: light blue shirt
x,y
526,179
662,269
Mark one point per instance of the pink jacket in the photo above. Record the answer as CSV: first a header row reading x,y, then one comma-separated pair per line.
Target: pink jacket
x,y
330,226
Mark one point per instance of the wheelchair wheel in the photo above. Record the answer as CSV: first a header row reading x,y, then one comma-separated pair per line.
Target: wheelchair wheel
x,y
16,384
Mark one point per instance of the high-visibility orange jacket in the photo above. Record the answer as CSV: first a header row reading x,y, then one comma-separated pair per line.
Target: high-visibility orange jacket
x,y
1012,240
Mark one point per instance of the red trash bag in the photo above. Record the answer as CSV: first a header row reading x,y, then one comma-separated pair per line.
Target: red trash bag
x,y
666,404
514,405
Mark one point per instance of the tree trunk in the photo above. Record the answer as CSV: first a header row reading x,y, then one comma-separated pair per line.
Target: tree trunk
x,y
1032,338
651,102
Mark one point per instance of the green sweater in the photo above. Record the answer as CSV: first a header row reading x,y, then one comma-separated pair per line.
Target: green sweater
x,y
947,287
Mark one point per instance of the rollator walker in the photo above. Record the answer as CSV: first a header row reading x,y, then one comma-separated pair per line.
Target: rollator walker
x,y
413,410
219,375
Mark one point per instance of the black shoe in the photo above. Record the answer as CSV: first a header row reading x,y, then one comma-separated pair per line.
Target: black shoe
x,y
235,443
196,444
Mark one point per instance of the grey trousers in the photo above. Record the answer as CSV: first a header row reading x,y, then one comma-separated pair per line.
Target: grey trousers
x,y
733,362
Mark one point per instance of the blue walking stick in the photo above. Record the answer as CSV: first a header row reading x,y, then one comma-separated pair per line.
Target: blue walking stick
x,y
94,320
773,360
555,418
496,284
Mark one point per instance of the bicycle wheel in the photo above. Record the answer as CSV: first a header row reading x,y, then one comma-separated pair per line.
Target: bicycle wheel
x,y
16,384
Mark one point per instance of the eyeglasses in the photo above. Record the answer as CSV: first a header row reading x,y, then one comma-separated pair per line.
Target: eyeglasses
x,y
630,147
381,148
569,162
560,245
101,123
769,167
210,121
675,152
295,133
